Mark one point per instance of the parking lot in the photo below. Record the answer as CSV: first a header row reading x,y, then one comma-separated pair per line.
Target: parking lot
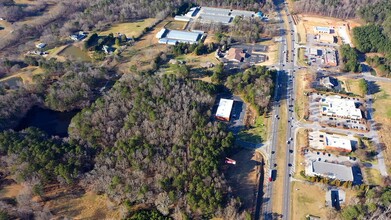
x,y
316,115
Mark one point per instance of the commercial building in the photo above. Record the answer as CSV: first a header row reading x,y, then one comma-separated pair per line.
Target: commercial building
x,y
330,58
329,170
235,54
224,110
221,15
336,106
321,140
336,142
323,30
173,37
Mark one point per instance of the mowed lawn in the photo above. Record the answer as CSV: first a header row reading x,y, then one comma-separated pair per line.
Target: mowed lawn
x,y
382,106
308,200
130,29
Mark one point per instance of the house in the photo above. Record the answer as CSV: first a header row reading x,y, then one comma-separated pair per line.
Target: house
x,y
207,65
235,54
40,45
329,170
173,37
330,58
223,112
329,82
78,36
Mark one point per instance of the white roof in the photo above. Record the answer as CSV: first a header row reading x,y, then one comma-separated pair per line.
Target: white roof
x,y
161,33
215,11
335,105
182,18
338,142
242,13
331,170
215,18
184,36
225,107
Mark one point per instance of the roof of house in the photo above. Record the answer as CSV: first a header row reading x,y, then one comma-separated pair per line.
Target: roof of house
x,y
224,19
329,81
235,54
338,142
332,170
225,107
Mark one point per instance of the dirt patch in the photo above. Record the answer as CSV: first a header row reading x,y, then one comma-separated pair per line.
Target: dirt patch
x,y
243,177
10,190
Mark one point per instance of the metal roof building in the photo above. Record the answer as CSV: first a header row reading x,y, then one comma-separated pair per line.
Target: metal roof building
x,y
215,18
330,170
215,11
161,33
235,13
183,36
182,18
172,37
224,110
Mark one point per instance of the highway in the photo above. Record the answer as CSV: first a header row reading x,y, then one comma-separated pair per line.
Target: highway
x,y
285,89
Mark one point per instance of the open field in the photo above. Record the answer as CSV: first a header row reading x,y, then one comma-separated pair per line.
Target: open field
x,y
257,134
302,78
83,206
243,177
278,195
176,25
372,176
302,33
308,199
271,53
5,28
130,29
11,190
75,53
301,60
352,85
24,74
301,142
382,106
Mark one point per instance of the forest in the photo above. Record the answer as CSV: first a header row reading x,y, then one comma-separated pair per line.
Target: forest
x,y
376,36
256,86
349,59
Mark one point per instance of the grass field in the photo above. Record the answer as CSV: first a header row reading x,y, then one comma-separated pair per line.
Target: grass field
x,y
352,85
256,134
373,176
301,141
75,53
130,29
382,106
302,103
176,25
308,199
278,195
302,34
302,60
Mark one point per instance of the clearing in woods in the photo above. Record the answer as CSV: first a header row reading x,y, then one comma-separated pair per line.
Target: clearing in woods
x,y
130,29
243,177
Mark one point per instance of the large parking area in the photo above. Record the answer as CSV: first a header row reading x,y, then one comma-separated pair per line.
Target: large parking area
x,y
333,121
